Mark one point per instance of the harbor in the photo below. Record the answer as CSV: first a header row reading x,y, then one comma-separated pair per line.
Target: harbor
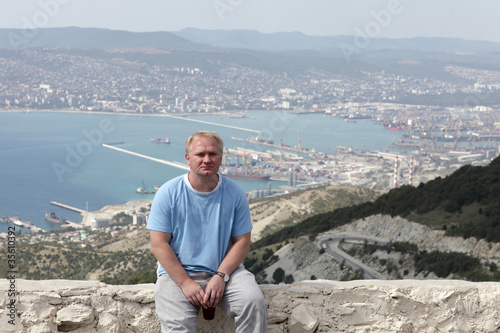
x,y
64,223
15,221
331,151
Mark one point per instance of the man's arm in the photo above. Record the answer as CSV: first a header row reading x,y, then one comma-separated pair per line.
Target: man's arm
x,y
160,245
236,254
234,257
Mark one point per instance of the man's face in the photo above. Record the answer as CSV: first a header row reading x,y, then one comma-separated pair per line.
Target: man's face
x,y
204,157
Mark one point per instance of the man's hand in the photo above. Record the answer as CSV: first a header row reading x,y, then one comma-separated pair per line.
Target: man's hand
x,y
214,291
193,292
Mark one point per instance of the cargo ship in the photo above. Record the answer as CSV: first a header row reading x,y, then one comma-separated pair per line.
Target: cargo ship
x,y
51,217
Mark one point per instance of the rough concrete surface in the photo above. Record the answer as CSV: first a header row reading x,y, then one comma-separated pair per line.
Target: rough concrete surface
x,y
308,306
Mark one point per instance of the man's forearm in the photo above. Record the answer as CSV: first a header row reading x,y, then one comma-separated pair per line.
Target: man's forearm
x,y
168,260
236,254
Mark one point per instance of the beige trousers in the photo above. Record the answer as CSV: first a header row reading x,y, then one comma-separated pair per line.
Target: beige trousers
x,y
243,300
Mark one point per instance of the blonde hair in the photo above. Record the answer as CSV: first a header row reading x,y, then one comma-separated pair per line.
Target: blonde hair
x,y
203,134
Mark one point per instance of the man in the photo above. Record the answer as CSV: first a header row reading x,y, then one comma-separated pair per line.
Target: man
x,y
200,233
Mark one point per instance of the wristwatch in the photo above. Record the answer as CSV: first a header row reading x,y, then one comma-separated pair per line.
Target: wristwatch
x,y
224,276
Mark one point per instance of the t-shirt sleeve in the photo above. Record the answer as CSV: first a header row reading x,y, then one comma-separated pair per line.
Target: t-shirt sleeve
x,y
159,216
242,219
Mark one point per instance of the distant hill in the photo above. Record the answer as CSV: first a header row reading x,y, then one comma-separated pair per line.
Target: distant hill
x,y
190,38
465,203
291,52
289,41
92,38
254,40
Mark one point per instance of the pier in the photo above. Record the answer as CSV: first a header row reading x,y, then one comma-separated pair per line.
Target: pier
x,y
174,164
214,124
78,210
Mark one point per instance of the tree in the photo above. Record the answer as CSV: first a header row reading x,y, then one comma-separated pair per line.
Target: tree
x,y
267,254
289,279
278,275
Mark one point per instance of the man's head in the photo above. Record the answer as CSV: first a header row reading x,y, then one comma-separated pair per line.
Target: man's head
x,y
203,134
204,154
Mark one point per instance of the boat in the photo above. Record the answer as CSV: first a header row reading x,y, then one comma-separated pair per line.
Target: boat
x,y
248,176
18,222
114,143
160,140
144,190
52,217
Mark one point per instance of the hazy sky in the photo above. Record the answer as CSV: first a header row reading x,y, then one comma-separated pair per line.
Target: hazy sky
x,y
469,19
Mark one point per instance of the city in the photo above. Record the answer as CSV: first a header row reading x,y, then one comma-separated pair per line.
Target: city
x,y
365,135
435,139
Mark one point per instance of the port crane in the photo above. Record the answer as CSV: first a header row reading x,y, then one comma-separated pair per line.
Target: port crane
x,y
299,143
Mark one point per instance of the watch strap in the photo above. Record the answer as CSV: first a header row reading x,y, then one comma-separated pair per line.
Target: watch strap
x,y
224,276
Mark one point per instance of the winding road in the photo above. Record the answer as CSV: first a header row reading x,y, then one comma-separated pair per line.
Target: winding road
x,y
330,244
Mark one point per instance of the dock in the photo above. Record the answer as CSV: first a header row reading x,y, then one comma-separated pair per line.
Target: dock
x,y
72,224
280,146
78,210
17,222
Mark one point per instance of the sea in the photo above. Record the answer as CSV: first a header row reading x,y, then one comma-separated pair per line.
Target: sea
x,y
59,156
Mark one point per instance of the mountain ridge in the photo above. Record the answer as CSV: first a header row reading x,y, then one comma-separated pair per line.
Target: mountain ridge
x,y
298,53
92,38
192,38
288,41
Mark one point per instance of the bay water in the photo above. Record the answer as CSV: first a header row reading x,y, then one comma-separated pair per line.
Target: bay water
x,y
58,156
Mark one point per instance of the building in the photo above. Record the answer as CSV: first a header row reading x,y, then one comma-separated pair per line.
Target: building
x,y
100,223
139,219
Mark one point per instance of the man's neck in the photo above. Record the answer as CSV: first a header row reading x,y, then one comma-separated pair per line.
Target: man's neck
x,y
205,184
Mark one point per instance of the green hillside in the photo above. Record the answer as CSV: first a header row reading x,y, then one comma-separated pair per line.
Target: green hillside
x,y
465,203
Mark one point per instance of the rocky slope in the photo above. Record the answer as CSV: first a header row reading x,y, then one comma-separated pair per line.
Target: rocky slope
x,y
272,214
402,230
303,259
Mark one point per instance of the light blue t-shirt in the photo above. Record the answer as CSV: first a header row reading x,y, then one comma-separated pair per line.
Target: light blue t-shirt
x,y
201,223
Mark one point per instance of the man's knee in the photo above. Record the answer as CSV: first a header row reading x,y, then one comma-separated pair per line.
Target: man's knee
x,y
257,300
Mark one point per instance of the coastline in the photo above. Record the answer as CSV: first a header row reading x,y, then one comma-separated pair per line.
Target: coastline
x,y
181,116
129,113
109,211
131,207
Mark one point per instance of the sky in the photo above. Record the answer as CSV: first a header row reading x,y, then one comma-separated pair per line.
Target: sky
x,y
467,19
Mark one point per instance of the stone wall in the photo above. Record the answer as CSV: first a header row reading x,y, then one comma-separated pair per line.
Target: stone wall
x,y
309,306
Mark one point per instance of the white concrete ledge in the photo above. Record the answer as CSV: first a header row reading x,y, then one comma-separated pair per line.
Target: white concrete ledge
x,y
309,306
